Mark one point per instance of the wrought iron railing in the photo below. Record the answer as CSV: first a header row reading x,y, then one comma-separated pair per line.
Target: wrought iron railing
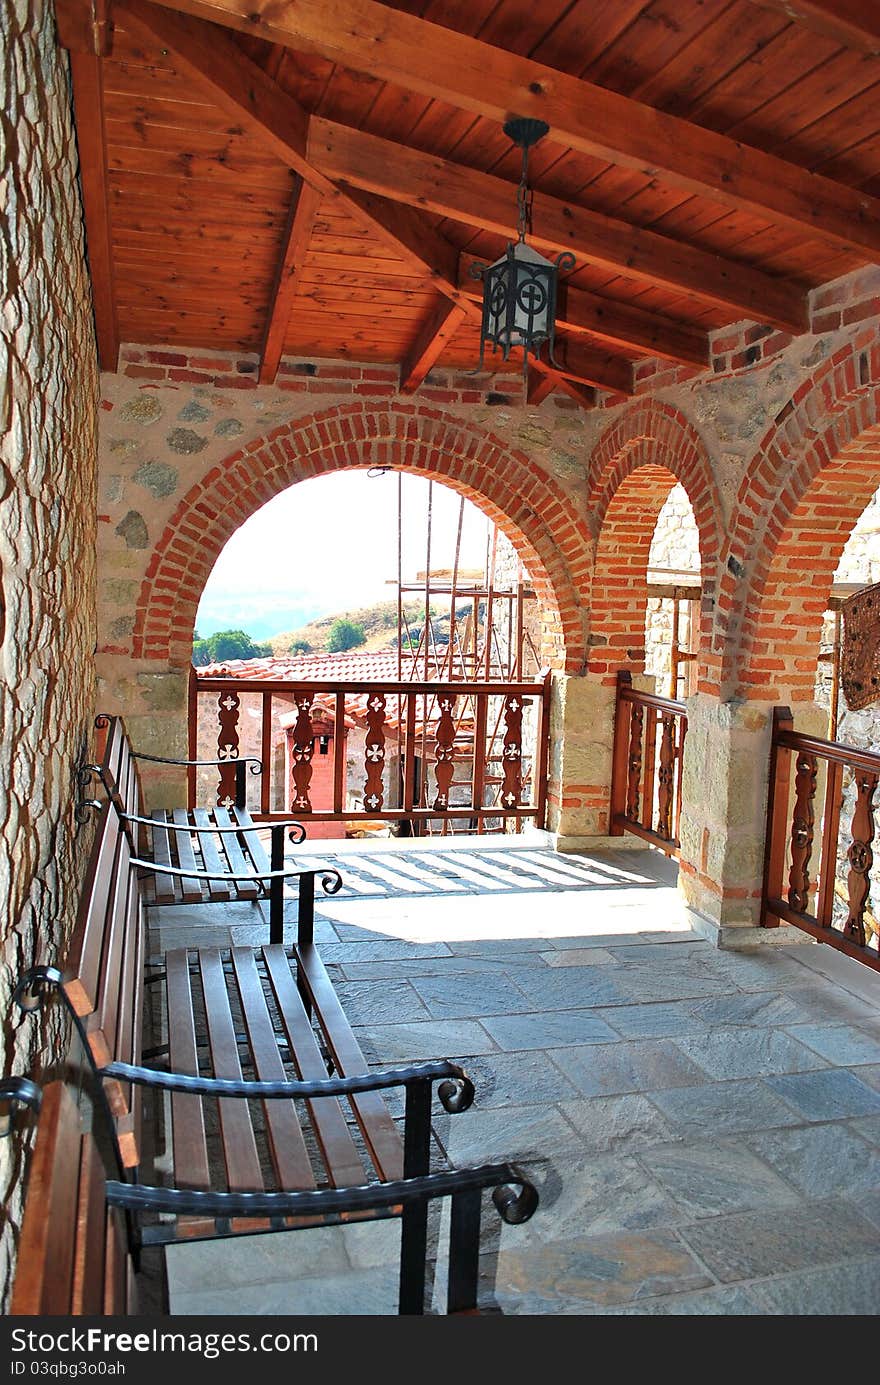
x,y
394,751
832,903
649,733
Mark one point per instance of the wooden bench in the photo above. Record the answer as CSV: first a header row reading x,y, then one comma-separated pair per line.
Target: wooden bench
x,y
73,1252
210,855
257,1136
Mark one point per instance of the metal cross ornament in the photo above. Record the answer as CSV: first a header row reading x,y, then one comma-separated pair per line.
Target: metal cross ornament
x,y
519,289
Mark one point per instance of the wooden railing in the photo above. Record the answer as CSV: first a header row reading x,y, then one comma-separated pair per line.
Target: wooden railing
x,y
432,752
649,735
833,904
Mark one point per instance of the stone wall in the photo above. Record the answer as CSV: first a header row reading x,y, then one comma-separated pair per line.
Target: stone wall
x,y
48,445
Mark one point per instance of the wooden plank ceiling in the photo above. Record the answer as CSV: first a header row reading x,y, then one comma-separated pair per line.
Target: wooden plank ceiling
x,y
316,177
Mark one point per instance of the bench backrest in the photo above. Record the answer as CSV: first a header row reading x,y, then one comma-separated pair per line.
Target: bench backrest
x,y
119,770
102,970
73,1256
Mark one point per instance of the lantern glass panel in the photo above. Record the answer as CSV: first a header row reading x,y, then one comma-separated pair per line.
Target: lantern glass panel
x,y
519,298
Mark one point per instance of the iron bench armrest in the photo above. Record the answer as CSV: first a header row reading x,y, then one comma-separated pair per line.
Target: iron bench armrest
x,y
236,760
331,880
514,1207
194,831
456,1090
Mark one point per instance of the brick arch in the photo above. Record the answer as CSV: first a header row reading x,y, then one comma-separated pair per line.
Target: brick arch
x,y
813,474
527,504
633,468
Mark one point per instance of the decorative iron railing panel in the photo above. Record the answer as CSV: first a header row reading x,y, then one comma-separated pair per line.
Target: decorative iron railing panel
x,y
831,901
649,734
358,752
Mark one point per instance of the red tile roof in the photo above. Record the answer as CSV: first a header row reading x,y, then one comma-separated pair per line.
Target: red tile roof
x,y
380,666
377,667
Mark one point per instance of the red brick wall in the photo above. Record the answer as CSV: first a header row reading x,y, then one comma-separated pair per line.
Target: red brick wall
x,y
633,469
534,512
814,472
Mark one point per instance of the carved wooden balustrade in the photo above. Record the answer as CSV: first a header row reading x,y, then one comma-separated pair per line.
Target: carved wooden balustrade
x,y
431,751
830,901
649,734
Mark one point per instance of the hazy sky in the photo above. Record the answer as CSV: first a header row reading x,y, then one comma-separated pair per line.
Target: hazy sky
x,y
329,545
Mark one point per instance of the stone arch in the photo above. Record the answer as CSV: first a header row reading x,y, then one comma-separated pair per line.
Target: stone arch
x,y
528,505
634,467
814,472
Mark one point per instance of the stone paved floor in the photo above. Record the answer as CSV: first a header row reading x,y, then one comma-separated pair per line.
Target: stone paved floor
x,y
704,1126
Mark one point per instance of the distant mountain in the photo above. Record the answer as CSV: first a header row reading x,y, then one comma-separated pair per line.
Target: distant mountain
x,y
380,624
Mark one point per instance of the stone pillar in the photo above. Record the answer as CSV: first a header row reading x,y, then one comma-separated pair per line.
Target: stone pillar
x,y
723,821
581,744
48,454
153,698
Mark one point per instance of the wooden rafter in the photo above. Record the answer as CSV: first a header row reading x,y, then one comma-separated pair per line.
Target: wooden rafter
x,y
443,64
84,30
613,321
489,203
537,388
580,361
433,337
853,23
263,108
303,206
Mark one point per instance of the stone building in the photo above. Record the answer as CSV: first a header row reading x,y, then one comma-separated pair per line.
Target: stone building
x,y
723,338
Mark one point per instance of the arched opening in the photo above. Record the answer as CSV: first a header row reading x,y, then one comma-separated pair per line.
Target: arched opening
x,y
798,501
537,516
672,626
783,617
644,458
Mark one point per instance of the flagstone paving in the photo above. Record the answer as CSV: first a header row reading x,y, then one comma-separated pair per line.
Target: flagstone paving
x,y
703,1126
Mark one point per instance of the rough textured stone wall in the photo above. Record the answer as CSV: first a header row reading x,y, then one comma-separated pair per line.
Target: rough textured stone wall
x,y
48,445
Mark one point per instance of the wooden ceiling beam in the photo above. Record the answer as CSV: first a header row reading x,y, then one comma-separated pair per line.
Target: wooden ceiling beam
x,y
303,208
83,28
466,72
241,87
613,321
538,387
853,23
435,335
489,203
584,363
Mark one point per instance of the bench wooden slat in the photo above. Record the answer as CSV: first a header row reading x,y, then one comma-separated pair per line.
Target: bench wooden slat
x,y
116,756
338,1149
44,1278
164,886
252,845
229,843
189,1143
377,1126
129,784
186,858
88,1269
102,1023
289,1154
129,1027
239,1143
82,970
210,855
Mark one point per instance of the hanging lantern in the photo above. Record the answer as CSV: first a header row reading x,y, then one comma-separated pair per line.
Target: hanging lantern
x,y
519,289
